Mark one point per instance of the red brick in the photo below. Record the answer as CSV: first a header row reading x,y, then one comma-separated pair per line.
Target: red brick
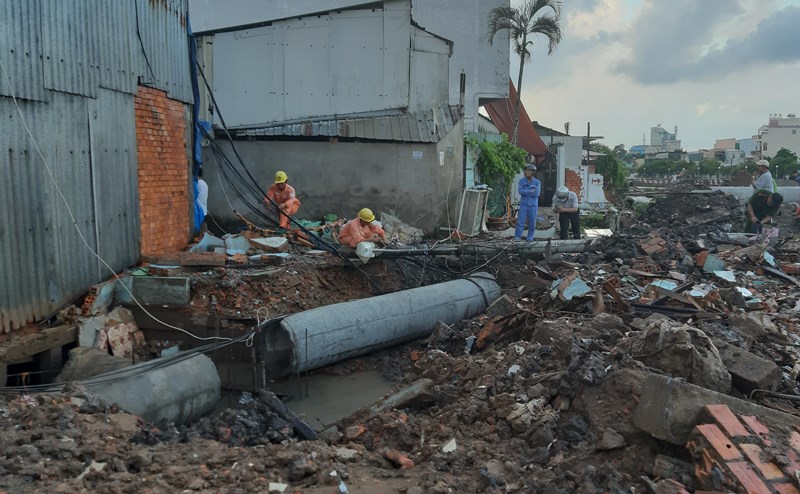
x,y
721,443
769,470
794,441
723,416
748,478
758,428
785,488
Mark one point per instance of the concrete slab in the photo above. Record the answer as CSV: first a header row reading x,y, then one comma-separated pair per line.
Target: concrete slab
x,y
748,371
155,290
670,408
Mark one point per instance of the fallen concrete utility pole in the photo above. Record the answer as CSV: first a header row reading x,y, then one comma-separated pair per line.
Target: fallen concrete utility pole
x,y
326,335
162,391
367,250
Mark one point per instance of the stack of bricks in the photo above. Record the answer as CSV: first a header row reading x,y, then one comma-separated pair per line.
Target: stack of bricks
x,y
741,454
164,187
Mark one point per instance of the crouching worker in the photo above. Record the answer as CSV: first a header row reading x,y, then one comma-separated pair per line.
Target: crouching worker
x,y
361,229
565,203
283,195
761,209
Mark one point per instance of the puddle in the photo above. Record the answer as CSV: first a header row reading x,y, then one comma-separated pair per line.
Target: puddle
x,y
324,399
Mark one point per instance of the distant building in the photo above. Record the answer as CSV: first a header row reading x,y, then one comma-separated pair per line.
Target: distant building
x,y
725,144
779,133
748,146
662,141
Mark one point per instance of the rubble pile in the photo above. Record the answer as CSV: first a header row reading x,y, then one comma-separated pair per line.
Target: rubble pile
x,y
664,360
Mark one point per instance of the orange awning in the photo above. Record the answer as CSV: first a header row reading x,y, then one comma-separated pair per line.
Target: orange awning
x,y
502,114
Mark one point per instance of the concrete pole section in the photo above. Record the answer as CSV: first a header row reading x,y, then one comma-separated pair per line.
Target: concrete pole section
x,y
326,335
162,391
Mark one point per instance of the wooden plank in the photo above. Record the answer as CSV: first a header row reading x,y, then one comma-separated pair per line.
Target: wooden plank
x,y
25,347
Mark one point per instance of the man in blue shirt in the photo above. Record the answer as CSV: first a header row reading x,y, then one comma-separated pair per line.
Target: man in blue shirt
x,y
528,188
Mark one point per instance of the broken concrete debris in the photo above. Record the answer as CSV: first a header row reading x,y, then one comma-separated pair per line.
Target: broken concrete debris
x,y
593,372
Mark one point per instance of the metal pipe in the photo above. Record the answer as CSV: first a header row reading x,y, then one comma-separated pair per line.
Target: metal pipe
x,y
341,331
519,248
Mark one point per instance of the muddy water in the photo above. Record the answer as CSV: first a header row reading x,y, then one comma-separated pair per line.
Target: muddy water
x,y
324,399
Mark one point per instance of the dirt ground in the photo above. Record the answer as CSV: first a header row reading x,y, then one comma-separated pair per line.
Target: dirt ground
x,y
542,402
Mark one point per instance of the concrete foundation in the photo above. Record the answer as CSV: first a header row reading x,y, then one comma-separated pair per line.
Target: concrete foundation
x,y
155,290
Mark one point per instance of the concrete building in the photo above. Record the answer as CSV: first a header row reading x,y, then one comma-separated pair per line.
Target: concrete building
x,y
353,104
105,88
779,133
659,136
747,146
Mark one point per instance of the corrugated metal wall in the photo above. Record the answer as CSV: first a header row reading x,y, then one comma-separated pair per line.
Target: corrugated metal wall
x,y
75,66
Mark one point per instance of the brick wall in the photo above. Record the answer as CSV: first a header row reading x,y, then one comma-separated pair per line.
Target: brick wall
x,y
163,172
573,181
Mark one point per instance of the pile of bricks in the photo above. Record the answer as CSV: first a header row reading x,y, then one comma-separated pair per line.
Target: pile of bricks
x,y
653,245
164,188
741,454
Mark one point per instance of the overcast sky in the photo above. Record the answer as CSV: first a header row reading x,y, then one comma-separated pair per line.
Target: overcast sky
x,y
714,68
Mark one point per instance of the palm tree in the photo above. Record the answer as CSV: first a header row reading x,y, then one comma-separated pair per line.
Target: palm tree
x,y
523,25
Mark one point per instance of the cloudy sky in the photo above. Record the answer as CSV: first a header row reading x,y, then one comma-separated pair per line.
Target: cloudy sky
x,y
714,68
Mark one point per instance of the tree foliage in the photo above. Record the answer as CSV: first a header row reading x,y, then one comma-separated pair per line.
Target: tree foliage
x,y
783,163
614,172
498,162
524,24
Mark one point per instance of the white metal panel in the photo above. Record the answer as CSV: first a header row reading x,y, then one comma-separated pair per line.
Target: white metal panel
x,y
354,47
339,63
21,49
245,75
307,68
429,71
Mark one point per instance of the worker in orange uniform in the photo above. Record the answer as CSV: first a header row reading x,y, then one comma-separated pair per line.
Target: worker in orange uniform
x,y
361,229
283,195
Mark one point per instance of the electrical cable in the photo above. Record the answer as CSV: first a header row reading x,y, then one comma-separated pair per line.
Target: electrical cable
x,y
141,43
318,242
74,221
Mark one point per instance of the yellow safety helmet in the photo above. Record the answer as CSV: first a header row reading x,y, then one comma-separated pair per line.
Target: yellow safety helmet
x,y
367,215
280,177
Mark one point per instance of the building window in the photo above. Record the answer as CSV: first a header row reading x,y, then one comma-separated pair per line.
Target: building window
x,y
794,131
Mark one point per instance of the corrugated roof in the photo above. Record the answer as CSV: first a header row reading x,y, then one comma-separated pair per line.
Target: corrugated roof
x,y
427,126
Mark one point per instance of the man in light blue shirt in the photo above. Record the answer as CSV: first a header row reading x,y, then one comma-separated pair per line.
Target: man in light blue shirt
x,y
528,188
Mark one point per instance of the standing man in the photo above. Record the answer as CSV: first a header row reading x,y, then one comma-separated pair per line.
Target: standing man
x,y
528,188
361,229
282,194
565,203
795,176
761,208
764,180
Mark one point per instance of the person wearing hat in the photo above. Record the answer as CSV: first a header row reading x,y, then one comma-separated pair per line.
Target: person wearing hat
x,y
761,208
565,203
764,180
283,196
363,228
528,188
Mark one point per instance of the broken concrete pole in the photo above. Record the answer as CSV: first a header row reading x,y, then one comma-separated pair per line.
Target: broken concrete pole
x,y
271,244
86,362
326,335
748,371
418,393
670,408
177,391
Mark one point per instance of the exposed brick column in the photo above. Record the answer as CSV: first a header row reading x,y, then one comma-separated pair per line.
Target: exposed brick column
x,y
163,172
573,181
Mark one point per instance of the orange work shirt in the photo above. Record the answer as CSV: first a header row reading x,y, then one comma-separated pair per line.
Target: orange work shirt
x,y
281,196
352,233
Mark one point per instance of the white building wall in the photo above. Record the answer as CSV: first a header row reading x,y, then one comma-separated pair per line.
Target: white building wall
x,y
464,22
343,62
781,133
